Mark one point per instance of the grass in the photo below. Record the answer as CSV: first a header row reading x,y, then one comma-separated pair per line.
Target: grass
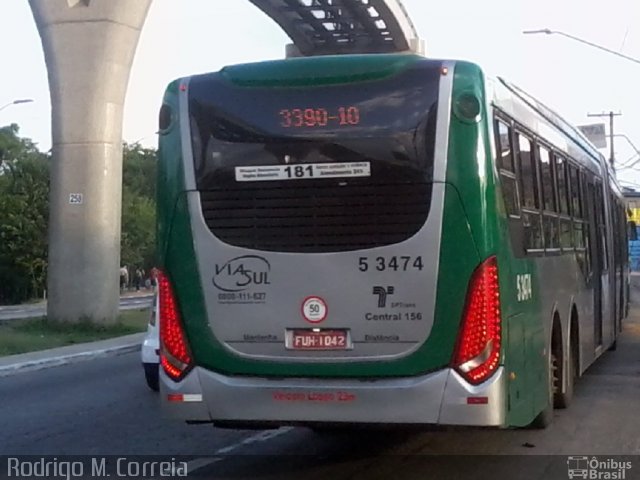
x,y
22,336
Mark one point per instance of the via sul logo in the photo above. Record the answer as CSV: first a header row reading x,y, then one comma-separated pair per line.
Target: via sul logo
x,y
242,273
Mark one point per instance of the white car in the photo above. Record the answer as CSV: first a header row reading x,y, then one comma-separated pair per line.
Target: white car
x,y
150,350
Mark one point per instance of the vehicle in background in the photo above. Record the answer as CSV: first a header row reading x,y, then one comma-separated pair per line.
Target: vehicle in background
x,y
379,239
150,349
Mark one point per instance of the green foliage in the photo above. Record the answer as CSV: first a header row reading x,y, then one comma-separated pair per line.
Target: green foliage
x,y
139,170
138,207
138,227
24,212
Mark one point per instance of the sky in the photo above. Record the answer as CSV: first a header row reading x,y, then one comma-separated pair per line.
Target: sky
x,y
185,37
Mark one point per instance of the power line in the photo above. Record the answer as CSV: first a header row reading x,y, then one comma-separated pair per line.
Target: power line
x,y
586,42
631,161
624,40
622,135
629,183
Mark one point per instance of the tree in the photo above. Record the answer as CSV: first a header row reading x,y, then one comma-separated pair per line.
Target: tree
x,y
24,193
139,170
138,229
24,214
138,206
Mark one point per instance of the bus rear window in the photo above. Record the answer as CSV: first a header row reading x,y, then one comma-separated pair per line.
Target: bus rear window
x,y
388,122
316,169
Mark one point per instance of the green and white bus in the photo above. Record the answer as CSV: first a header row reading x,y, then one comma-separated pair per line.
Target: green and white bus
x,y
379,239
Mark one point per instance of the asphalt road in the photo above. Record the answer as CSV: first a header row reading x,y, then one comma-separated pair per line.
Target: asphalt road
x,y
14,312
102,407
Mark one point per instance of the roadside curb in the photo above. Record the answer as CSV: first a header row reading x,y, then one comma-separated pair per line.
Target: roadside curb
x,y
57,357
11,313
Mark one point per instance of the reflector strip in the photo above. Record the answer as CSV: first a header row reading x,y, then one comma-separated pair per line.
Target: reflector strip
x,y
477,400
184,398
192,398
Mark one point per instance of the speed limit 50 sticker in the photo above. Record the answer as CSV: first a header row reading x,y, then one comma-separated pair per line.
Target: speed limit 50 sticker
x,y
314,309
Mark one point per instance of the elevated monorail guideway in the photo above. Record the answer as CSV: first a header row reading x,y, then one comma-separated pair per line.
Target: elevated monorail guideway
x,y
332,27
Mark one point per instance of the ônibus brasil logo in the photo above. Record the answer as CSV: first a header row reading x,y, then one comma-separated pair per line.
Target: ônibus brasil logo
x,y
593,468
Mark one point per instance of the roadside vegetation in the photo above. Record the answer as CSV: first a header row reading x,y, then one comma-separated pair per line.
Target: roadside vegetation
x,y
24,213
23,336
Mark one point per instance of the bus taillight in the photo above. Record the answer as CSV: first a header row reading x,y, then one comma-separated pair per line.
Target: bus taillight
x,y
174,352
477,352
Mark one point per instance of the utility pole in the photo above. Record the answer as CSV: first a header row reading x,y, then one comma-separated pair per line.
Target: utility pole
x,y
611,116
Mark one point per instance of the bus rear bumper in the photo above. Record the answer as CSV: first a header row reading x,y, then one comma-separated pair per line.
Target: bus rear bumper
x,y
442,397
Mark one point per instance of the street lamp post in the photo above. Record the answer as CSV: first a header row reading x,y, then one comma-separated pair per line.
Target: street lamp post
x,y
144,138
16,102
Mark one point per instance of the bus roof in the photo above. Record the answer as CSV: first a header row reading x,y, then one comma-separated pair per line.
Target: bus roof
x,y
568,131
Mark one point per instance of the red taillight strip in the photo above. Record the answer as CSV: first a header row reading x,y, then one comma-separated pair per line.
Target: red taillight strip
x,y
477,353
174,372
174,356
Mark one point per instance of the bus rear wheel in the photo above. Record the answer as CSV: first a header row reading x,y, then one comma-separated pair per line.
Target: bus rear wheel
x,y
568,371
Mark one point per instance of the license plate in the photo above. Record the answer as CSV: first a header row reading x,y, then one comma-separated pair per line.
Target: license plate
x,y
318,340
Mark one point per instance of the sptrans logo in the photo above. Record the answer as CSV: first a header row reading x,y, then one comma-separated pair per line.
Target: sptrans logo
x,y
594,468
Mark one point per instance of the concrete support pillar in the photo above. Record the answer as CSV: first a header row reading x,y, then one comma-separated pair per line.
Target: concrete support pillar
x,y
89,47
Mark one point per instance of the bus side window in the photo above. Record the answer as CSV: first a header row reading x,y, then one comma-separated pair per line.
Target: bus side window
x,y
506,168
591,222
578,207
615,244
549,204
561,177
528,173
530,202
601,227
564,186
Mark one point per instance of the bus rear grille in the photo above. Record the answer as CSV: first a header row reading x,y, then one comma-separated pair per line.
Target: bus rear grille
x,y
316,218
